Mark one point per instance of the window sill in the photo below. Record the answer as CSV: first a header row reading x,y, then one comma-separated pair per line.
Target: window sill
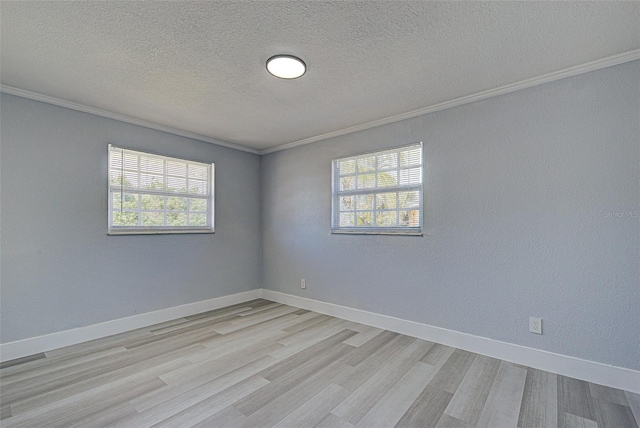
x,y
116,232
377,232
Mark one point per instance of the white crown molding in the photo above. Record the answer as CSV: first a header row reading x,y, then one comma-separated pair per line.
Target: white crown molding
x,y
35,345
591,371
528,83
120,117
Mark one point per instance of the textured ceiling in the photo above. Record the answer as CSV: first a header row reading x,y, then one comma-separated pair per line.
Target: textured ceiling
x,y
200,66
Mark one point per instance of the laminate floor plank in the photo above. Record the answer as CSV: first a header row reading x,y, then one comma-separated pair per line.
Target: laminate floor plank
x,y
427,409
315,319
250,305
91,396
265,364
238,344
366,349
292,321
469,400
214,404
89,383
58,365
363,337
104,417
228,417
316,409
291,348
167,324
611,415
204,371
389,410
505,398
226,343
163,404
106,368
453,371
5,411
80,409
176,395
106,410
539,401
309,354
177,329
376,361
361,401
447,421
177,400
255,332
612,395
332,421
39,366
289,400
261,309
439,358
436,353
219,313
156,340
250,320
634,404
54,379
53,363
574,396
327,327
568,420
294,376
197,321
18,361
97,345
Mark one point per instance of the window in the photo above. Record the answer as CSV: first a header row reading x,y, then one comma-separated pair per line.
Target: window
x,y
378,192
157,194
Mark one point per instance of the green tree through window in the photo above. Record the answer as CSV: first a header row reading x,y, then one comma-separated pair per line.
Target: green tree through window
x,y
151,193
379,192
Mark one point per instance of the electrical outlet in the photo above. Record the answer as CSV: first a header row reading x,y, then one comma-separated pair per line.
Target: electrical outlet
x,y
303,283
535,325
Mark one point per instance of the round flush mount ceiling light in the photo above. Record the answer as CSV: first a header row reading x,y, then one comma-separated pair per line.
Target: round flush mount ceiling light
x,y
286,66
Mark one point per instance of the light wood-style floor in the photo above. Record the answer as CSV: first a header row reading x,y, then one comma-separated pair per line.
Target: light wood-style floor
x,y
262,364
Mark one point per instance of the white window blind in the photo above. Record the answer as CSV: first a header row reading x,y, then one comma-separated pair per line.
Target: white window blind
x,y
150,193
378,192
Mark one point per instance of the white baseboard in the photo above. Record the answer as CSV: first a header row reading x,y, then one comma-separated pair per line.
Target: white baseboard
x,y
35,345
591,371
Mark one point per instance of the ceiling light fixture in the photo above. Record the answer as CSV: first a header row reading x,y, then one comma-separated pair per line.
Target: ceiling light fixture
x,y
286,66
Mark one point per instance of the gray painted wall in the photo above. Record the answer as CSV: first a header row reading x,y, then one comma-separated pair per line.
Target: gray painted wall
x,y
522,196
60,270
527,202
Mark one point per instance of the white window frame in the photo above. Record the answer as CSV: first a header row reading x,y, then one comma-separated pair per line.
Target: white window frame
x,y
148,230
336,193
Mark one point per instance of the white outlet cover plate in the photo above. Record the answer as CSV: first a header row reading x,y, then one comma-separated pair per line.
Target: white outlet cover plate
x,y
535,325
